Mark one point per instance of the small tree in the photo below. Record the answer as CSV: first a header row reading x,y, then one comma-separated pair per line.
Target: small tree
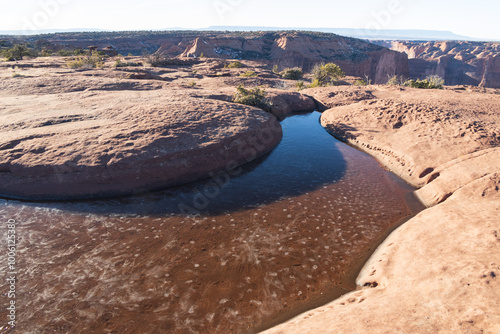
x,y
327,74
17,53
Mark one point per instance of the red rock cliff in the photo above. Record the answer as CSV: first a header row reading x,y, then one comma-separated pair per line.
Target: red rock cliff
x,y
290,49
459,63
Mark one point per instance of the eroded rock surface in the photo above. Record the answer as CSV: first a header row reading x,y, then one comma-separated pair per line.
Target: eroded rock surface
x,y
75,136
439,272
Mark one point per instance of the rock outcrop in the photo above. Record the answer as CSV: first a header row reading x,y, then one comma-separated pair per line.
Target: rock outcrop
x,y
102,139
459,63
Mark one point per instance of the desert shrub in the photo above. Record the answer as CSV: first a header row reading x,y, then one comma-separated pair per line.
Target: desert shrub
x,y
18,52
248,74
160,60
120,63
46,53
79,52
292,73
435,82
327,74
251,97
192,84
276,69
360,82
396,80
235,64
64,53
431,82
300,85
93,60
315,83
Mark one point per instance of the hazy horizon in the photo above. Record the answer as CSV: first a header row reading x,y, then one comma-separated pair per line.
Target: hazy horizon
x,y
457,17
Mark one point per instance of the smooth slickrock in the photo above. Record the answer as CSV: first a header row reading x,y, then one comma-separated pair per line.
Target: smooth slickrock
x,y
439,272
412,131
98,137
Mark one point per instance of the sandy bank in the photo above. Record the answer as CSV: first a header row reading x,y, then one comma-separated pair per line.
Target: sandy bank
x,y
440,271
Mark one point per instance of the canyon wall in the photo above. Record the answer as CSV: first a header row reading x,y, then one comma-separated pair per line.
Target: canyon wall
x,y
305,50
285,49
458,62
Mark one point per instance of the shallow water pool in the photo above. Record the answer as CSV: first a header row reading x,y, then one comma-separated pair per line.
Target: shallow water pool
x,y
283,235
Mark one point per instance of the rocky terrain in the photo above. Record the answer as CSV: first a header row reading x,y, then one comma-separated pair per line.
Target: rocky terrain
x,y
458,62
439,271
285,49
79,133
264,248
93,133
355,57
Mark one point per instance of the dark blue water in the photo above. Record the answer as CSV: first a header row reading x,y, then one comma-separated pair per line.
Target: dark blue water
x,y
306,159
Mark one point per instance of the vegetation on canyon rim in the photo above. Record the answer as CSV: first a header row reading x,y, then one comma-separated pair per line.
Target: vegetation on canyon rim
x,y
120,63
326,75
93,60
431,82
292,73
249,74
234,64
252,97
18,52
322,74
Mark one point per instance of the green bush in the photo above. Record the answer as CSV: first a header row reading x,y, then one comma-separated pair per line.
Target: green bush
x,y
431,82
18,52
251,97
292,73
276,69
248,74
93,60
235,64
326,74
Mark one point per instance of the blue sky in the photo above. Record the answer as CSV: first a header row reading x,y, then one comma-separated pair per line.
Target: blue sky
x,y
475,19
